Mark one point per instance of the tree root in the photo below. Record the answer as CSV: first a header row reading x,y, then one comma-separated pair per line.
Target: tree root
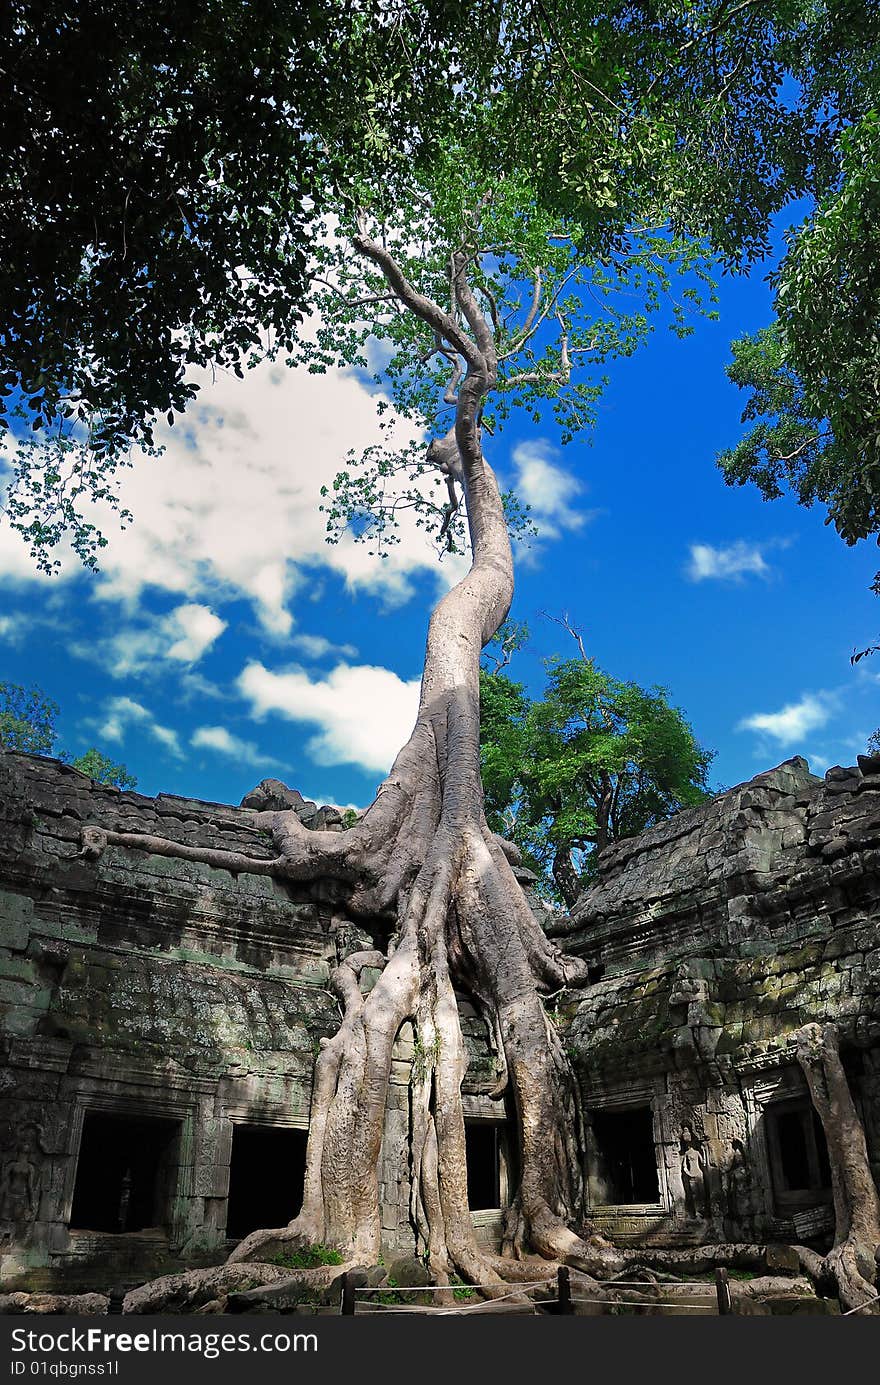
x,y
852,1263
190,1290
436,889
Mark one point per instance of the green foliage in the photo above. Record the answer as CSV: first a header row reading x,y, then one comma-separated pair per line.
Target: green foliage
x,y
594,760
388,1293
557,309
461,1291
425,1057
181,184
160,169
307,1257
27,723
104,770
349,817
27,719
813,375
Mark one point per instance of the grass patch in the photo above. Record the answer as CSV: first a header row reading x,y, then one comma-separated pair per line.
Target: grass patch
x,y
387,1295
461,1292
307,1257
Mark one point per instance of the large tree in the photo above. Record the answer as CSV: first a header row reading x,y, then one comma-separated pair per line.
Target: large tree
x,y
813,374
593,760
612,148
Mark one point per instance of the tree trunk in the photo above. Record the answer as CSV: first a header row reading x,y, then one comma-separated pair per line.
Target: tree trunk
x,y
852,1261
568,882
423,870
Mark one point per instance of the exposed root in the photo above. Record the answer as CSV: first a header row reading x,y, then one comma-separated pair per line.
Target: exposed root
x,y
461,921
852,1263
436,887
187,1292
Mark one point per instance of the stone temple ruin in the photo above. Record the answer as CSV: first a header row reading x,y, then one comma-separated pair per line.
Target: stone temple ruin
x,y
161,1020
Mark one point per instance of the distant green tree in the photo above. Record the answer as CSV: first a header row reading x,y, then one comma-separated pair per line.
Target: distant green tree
x,y
596,759
27,722
27,719
103,770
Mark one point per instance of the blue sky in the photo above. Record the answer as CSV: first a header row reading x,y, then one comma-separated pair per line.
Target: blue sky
x,y
224,641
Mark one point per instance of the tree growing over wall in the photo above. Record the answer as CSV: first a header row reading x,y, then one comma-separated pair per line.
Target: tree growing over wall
x,y
27,722
595,759
493,282
608,153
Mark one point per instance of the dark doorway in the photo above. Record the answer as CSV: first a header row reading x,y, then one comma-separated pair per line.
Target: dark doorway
x,y
793,1158
798,1151
624,1142
123,1173
482,1141
266,1177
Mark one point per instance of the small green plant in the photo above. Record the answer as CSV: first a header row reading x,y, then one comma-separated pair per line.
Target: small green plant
x,y
307,1257
387,1293
461,1292
350,817
425,1058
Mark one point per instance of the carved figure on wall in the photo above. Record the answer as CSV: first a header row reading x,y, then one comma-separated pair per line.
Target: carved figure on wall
x,y
19,1182
738,1189
693,1175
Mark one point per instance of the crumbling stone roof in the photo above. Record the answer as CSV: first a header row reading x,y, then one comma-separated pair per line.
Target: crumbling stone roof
x,y
738,866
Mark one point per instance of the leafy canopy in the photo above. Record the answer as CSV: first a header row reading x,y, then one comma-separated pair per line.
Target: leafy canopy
x,y
168,170
813,375
160,168
27,722
595,759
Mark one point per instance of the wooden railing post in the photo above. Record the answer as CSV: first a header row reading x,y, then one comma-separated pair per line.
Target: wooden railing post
x,y
722,1289
564,1281
347,1306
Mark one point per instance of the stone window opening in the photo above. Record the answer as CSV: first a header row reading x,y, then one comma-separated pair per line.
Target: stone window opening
x,y
489,1177
125,1172
266,1176
625,1157
798,1154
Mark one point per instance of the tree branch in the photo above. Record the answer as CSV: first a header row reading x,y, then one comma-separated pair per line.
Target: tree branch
x,y
417,303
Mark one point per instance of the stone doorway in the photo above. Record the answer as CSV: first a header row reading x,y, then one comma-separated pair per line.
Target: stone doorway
x,y
489,1174
626,1157
799,1166
266,1176
124,1173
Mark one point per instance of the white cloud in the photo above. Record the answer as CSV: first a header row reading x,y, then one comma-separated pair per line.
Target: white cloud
x,y
794,721
184,635
199,629
12,628
728,564
232,507
548,489
364,714
317,647
219,739
121,713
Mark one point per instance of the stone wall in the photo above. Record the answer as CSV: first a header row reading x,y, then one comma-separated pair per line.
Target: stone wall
x,y
713,938
148,990
147,987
